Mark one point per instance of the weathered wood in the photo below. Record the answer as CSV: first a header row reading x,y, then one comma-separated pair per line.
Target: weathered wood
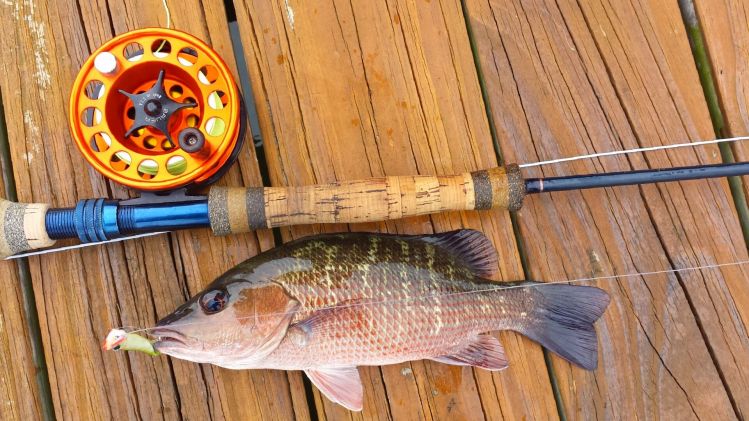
x,y
19,390
723,26
82,294
354,90
579,77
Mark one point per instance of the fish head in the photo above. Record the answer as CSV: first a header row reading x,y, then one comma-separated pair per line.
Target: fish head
x,y
237,320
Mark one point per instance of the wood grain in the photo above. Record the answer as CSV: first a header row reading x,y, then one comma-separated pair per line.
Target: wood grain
x,y
723,25
18,387
82,294
349,90
355,90
582,77
726,36
20,395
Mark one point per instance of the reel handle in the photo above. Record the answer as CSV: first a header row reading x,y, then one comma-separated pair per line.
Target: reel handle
x,y
22,227
235,210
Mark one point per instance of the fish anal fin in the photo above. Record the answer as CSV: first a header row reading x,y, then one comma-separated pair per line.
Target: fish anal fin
x,y
472,248
341,385
484,351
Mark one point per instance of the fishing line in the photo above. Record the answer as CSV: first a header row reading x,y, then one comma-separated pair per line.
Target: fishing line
x,y
82,245
636,150
168,23
499,287
168,14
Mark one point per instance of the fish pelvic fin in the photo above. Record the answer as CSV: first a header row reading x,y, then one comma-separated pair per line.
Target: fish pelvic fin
x,y
563,317
341,385
483,351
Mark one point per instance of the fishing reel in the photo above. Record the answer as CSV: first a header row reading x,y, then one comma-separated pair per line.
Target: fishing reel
x,y
157,110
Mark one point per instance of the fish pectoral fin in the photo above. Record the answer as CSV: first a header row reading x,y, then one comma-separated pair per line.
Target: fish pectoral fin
x,y
484,351
320,318
341,385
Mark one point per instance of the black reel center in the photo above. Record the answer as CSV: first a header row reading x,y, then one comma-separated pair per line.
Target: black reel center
x,y
154,108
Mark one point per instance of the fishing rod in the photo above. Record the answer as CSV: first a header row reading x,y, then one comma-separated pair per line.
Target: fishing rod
x,y
232,210
157,110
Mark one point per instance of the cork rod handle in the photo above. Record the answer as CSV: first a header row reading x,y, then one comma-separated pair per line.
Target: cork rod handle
x,y
22,227
235,210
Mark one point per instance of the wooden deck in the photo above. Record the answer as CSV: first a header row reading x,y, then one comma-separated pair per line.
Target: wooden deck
x,y
351,89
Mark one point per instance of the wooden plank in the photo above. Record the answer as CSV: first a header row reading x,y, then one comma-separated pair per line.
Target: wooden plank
x,y
723,25
580,77
82,294
726,38
21,398
18,387
350,90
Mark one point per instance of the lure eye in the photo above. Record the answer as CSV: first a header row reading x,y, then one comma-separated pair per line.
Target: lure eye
x,y
214,301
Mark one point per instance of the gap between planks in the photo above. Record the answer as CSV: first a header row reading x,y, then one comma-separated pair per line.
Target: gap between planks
x,y
714,105
253,125
27,290
513,216
712,99
714,102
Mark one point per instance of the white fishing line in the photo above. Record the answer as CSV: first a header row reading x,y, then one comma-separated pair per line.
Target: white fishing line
x,y
631,151
168,14
499,287
168,23
82,245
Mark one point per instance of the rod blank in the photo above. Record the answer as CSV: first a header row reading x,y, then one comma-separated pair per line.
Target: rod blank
x,y
627,178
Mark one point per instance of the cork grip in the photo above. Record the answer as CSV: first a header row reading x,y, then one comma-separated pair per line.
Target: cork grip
x,y
234,210
22,227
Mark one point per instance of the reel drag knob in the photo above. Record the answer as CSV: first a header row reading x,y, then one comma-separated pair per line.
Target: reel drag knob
x,y
191,140
135,97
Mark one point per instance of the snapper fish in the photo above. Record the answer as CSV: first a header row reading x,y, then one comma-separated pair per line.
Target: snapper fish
x,y
330,303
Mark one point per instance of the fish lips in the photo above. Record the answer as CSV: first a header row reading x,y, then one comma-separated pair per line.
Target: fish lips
x,y
167,330
169,339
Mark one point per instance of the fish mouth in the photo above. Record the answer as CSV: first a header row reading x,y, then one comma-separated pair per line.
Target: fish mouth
x,y
167,338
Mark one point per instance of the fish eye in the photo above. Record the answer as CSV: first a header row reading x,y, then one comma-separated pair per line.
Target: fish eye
x,y
214,301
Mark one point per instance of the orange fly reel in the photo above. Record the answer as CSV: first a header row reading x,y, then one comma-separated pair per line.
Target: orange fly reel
x,y
156,109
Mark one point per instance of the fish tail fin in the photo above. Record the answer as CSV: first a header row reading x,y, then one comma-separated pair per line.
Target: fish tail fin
x,y
563,317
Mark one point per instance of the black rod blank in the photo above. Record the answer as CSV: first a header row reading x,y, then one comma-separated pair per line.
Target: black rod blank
x,y
627,178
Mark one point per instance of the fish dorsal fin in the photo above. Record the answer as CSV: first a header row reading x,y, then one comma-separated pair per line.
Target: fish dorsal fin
x,y
471,247
484,351
341,385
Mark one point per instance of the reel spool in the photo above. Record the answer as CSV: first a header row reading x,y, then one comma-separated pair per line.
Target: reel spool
x,y
156,109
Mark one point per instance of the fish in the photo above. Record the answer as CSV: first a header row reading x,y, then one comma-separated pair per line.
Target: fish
x,y
330,303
